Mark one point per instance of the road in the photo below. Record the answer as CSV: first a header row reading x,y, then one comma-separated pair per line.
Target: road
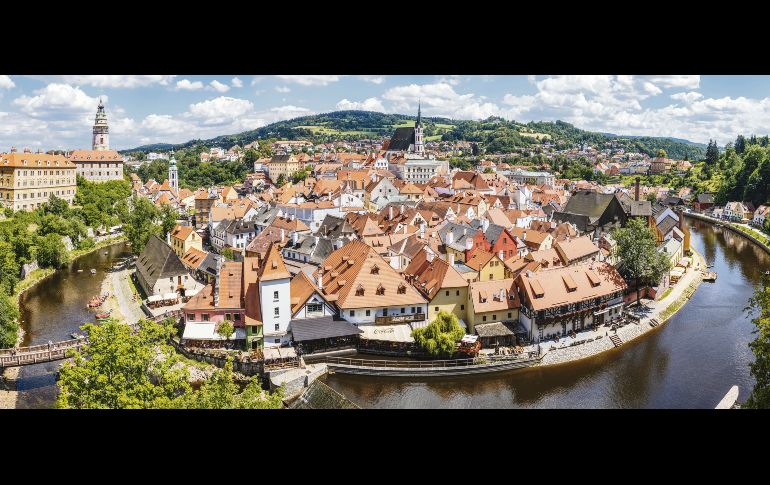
x,y
131,310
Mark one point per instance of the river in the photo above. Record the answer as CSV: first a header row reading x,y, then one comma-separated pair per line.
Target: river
x,y
690,362
55,308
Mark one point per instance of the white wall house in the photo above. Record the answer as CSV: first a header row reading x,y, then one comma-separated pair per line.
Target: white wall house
x,y
365,316
275,300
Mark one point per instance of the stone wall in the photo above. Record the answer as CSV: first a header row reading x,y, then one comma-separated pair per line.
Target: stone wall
x,y
730,227
28,268
246,367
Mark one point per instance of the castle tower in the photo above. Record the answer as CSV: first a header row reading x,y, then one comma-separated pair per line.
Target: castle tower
x,y
173,176
101,138
419,148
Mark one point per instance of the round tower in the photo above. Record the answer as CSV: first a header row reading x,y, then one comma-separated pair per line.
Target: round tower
x,y
173,178
101,138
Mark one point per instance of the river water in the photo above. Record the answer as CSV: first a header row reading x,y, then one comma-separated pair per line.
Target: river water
x,y
55,308
690,362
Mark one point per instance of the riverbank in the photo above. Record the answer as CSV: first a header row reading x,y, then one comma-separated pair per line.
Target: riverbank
x,y
659,311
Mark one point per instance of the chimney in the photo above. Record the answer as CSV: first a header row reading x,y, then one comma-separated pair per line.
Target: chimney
x,y
294,237
524,236
404,228
468,243
13,149
26,150
283,234
429,256
320,282
390,213
450,237
451,259
401,211
500,255
637,188
168,238
316,240
339,243
485,224
422,230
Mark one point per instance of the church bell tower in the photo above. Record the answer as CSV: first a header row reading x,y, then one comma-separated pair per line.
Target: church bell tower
x,y
419,148
101,139
173,178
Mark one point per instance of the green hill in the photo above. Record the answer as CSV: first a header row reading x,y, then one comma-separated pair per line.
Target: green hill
x,y
495,135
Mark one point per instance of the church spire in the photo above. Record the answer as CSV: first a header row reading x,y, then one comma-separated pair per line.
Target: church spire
x,y
419,114
101,137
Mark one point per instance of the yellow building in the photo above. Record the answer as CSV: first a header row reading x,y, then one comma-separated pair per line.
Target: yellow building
x,y
183,238
28,179
443,286
492,301
489,266
284,165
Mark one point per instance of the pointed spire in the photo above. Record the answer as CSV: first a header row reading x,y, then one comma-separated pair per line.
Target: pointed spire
x,y
419,114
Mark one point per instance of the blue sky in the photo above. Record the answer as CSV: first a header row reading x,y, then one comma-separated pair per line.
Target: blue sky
x,y
56,112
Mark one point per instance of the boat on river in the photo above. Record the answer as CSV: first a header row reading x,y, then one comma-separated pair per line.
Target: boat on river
x,y
710,276
93,271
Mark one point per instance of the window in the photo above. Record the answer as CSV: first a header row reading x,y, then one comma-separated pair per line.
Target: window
x,y
447,293
190,317
457,293
275,295
352,313
510,315
277,327
228,316
314,307
403,310
485,318
413,309
360,290
401,289
462,307
237,317
380,290
277,311
277,341
205,317
494,317
368,312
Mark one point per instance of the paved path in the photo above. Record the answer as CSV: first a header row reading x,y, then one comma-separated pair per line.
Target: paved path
x,y
131,310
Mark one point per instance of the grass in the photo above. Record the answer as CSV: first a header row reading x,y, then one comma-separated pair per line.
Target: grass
x,y
32,279
666,293
674,307
757,235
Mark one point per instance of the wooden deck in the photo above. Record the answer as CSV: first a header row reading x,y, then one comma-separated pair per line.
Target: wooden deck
x,y
37,354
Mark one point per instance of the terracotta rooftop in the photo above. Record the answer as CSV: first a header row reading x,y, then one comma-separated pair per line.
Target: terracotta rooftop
x,y
497,295
550,288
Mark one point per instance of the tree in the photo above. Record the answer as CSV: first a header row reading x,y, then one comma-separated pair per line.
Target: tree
x,y
759,306
440,336
168,217
281,180
51,251
141,223
9,322
712,153
637,251
661,153
221,392
652,197
120,368
740,144
226,329
228,253
489,170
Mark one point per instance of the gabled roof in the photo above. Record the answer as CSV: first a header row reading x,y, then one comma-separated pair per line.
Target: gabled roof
x,y
182,232
479,259
158,260
230,288
431,276
486,296
353,274
667,224
273,267
302,287
401,139
551,285
573,249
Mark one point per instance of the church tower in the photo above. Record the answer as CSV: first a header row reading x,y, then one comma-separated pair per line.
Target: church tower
x,y
173,178
101,139
419,148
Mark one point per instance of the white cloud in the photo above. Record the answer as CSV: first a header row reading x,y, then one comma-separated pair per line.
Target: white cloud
x,y
114,81
219,87
236,83
186,84
58,101
220,110
370,104
439,99
282,89
165,125
652,89
309,80
687,97
373,79
453,80
256,80
6,82
688,81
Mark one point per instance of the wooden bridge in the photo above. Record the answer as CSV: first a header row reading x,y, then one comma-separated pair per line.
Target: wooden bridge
x,y
39,353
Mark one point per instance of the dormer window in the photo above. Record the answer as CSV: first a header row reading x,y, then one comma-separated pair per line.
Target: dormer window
x,y
360,290
401,289
380,290
375,269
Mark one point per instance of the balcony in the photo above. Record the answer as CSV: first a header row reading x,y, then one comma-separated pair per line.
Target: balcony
x,y
393,319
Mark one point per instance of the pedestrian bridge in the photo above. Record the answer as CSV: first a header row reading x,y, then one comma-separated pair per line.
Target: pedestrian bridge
x,y
37,354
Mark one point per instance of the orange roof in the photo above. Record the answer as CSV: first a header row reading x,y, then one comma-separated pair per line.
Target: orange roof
x,y
273,266
497,295
301,289
251,291
95,156
579,247
287,225
554,287
479,259
34,160
432,276
182,232
359,278
194,257
230,287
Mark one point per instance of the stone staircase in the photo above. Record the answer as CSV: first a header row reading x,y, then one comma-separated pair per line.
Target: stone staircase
x,y
654,322
616,340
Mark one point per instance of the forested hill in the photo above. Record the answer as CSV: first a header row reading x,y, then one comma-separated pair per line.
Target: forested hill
x,y
495,135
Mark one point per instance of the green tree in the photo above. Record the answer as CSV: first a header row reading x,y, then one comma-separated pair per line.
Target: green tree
x,y
637,251
759,306
226,329
9,321
489,170
121,368
440,336
221,392
712,153
661,153
652,197
281,180
228,253
51,251
740,144
168,217
141,223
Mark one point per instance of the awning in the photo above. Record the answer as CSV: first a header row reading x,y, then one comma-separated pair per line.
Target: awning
x,y
208,331
321,328
192,292
154,298
388,333
605,310
462,323
271,353
170,296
